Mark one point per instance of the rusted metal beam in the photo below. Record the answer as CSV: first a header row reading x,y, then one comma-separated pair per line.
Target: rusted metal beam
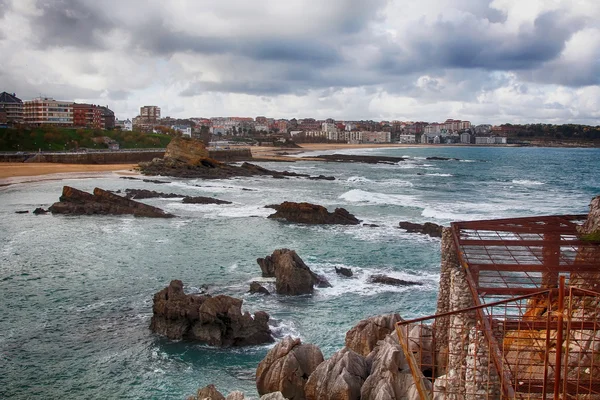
x,y
507,291
520,243
534,267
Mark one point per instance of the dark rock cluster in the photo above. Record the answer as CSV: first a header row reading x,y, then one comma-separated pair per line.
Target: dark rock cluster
x,y
307,213
428,228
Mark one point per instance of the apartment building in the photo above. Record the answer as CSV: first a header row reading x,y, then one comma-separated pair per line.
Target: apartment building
x,y
150,113
88,116
12,106
47,111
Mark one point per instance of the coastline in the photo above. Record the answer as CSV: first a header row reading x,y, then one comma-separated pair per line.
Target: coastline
x,y
11,173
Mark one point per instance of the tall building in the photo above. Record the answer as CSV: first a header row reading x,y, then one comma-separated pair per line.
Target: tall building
x,y
47,111
87,116
108,117
150,113
12,107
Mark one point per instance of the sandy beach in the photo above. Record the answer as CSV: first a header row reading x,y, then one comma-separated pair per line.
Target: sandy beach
x,y
280,154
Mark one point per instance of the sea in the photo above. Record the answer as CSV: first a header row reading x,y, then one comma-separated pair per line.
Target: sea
x,y
76,291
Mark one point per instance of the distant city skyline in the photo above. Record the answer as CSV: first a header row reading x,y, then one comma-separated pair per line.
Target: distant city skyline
x,y
479,60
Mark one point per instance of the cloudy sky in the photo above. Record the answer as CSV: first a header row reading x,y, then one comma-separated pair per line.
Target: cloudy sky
x,y
485,61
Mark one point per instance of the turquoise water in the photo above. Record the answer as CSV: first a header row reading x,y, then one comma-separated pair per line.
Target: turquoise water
x,y
77,291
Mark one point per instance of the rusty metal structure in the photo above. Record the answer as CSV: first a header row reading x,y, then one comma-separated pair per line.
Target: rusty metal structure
x,y
533,330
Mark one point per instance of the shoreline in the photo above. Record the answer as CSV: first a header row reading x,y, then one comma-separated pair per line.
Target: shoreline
x,y
13,173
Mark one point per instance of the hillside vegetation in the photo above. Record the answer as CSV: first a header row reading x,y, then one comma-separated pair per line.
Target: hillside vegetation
x,y
51,138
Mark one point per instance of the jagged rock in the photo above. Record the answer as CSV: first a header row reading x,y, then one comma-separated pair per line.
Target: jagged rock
x,y
256,287
442,159
273,396
209,392
364,336
217,321
235,395
321,178
287,367
188,151
388,280
148,194
428,228
339,378
77,202
343,271
39,211
292,275
307,213
203,200
592,222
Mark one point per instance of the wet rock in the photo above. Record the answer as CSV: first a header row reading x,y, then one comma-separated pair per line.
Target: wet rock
x,y
363,337
155,181
39,211
442,159
371,225
273,396
343,271
388,280
22,212
102,202
307,213
235,395
217,321
428,228
256,287
287,367
361,159
203,200
209,392
341,377
292,276
148,194
321,178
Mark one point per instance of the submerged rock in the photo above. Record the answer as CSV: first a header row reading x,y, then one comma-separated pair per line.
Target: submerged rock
x,y
256,287
341,377
77,202
39,211
203,200
363,337
217,321
428,228
347,272
287,367
148,194
388,280
22,212
292,275
307,213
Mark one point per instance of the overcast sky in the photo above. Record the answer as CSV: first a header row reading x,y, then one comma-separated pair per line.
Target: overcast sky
x,y
484,61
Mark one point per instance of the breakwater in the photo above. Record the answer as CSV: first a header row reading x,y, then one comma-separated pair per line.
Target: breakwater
x,y
114,157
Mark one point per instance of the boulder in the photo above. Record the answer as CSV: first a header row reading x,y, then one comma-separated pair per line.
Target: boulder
x,y
77,202
292,275
185,150
388,280
428,228
39,211
591,225
209,392
256,287
307,213
235,395
364,336
287,367
273,396
217,321
339,378
347,272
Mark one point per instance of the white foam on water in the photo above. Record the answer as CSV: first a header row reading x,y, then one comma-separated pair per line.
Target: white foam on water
x,y
467,160
527,182
396,182
216,211
432,212
439,174
233,267
358,179
362,196
283,328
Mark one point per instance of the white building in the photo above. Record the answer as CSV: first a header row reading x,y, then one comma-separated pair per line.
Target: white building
x,y
406,138
465,138
328,127
124,124
184,130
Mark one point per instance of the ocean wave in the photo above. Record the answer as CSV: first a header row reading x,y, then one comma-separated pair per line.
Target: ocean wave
x,y
527,182
362,196
358,179
439,174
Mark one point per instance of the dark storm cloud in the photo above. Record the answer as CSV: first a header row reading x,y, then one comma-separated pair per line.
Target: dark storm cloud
x,y
70,23
3,7
246,87
470,44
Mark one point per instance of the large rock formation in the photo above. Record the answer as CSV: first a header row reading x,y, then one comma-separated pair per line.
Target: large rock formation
x,y
77,202
209,392
217,321
428,228
388,280
591,225
287,367
341,377
307,213
292,275
187,151
364,336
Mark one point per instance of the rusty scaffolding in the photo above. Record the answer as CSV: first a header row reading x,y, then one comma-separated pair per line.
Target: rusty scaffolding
x,y
533,331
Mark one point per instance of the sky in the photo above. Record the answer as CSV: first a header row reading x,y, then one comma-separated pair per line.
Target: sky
x,y
516,61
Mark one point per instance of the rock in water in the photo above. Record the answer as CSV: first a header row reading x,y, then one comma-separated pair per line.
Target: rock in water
x,y
428,228
364,336
217,321
77,202
292,275
388,280
39,211
307,213
203,200
273,396
209,392
256,287
287,367
188,151
347,272
340,377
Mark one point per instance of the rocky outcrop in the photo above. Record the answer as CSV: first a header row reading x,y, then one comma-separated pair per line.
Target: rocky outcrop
x,y
307,213
388,280
364,336
292,275
256,287
217,321
287,367
77,202
428,228
151,194
341,377
187,151
209,392
592,223
39,211
273,396
435,158
345,158
347,272
203,200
